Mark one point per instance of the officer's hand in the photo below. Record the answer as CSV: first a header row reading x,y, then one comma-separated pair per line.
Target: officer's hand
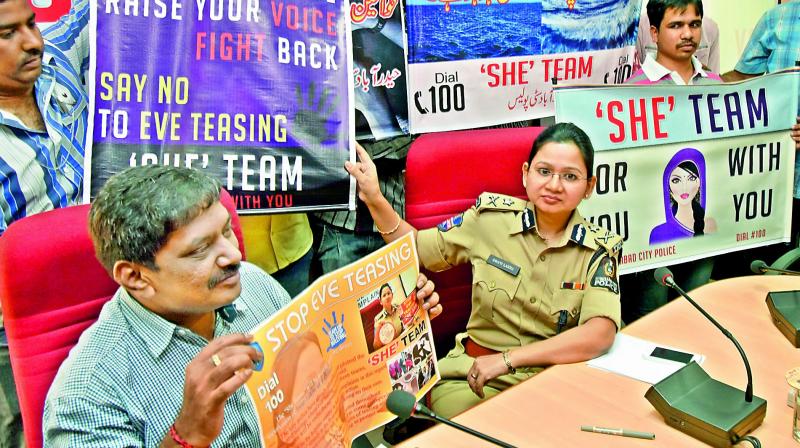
x,y
366,176
223,366
429,297
796,134
485,369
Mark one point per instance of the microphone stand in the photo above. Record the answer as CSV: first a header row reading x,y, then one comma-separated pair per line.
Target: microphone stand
x,y
764,269
693,402
748,394
421,411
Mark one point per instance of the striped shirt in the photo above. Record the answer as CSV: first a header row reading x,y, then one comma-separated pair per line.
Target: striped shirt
x,y
652,72
775,42
43,170
775,45
122,384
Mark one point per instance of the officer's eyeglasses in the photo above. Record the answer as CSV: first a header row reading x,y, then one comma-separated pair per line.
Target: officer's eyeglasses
x,y
568,178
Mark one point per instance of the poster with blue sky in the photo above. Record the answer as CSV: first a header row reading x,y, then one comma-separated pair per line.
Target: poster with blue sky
x,y
476,63
255,93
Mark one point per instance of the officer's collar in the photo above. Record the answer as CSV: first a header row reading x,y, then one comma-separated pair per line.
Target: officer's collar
x,y
575,229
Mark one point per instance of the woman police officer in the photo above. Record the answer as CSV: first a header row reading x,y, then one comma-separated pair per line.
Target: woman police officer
x,y
545,288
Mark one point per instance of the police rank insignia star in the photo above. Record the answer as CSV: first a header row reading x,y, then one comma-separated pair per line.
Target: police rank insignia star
x,y
451,222
606,275
508,202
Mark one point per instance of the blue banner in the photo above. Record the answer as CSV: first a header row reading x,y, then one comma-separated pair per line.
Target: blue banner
x,y
255,93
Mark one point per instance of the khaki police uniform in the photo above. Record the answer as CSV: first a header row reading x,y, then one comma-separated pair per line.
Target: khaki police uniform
x,y
522,290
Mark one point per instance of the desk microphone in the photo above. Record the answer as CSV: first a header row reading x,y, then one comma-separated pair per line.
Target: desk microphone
x,y
759,267
404,405
693,402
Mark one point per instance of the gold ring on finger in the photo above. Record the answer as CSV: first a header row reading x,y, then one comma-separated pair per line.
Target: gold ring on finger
x,y
216,360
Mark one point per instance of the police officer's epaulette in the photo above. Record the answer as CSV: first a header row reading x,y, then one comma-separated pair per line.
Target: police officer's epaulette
x,y
495,201
608,242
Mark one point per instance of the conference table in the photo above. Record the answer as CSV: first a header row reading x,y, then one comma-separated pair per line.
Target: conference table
x,y
549,409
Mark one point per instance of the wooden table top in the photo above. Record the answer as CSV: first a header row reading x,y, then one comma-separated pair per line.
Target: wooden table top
x,y
549,409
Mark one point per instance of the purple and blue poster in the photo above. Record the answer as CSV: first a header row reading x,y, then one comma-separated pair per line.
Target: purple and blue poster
x,y
474,63
254,92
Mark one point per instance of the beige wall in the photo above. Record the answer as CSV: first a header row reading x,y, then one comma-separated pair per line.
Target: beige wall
x,y
736,19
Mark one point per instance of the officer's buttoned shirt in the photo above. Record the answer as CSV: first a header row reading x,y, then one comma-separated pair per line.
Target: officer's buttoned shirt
x,y
522,290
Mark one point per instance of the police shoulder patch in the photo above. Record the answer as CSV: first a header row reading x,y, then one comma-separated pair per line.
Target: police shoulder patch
x,y
606,275
496,201
452,222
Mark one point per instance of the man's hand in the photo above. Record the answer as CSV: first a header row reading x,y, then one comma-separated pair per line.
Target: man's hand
x,y
795,133
485,369
223,366
429,297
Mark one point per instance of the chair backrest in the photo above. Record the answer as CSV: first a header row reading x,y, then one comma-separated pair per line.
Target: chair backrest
x,y
445,174
52,288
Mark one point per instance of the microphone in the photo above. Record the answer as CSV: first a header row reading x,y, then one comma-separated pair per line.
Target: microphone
x,y
404,405
690,391
759,267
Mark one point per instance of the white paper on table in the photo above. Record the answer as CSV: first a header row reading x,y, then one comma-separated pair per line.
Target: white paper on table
x,y
630,356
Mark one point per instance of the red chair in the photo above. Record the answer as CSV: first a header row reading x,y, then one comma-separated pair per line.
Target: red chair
x,y
52,288
445,174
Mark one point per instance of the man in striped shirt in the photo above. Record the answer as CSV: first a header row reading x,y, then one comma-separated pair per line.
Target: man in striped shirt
x,y
43,110
43,116
165,361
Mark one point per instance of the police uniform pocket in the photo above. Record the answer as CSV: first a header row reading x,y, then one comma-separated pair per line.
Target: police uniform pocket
x,y
492,288
565,309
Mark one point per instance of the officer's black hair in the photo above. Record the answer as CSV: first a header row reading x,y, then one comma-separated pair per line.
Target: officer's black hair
x,y
566,133
657,8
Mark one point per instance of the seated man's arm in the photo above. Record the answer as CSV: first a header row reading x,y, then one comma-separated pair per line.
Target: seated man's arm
x,y
215,374
77,421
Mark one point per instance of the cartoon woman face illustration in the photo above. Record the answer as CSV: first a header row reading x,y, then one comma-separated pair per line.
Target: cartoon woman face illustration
x,y
684,189
684,183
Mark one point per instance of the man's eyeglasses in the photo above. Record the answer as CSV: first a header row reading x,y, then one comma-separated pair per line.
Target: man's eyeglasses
x,y
567,177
